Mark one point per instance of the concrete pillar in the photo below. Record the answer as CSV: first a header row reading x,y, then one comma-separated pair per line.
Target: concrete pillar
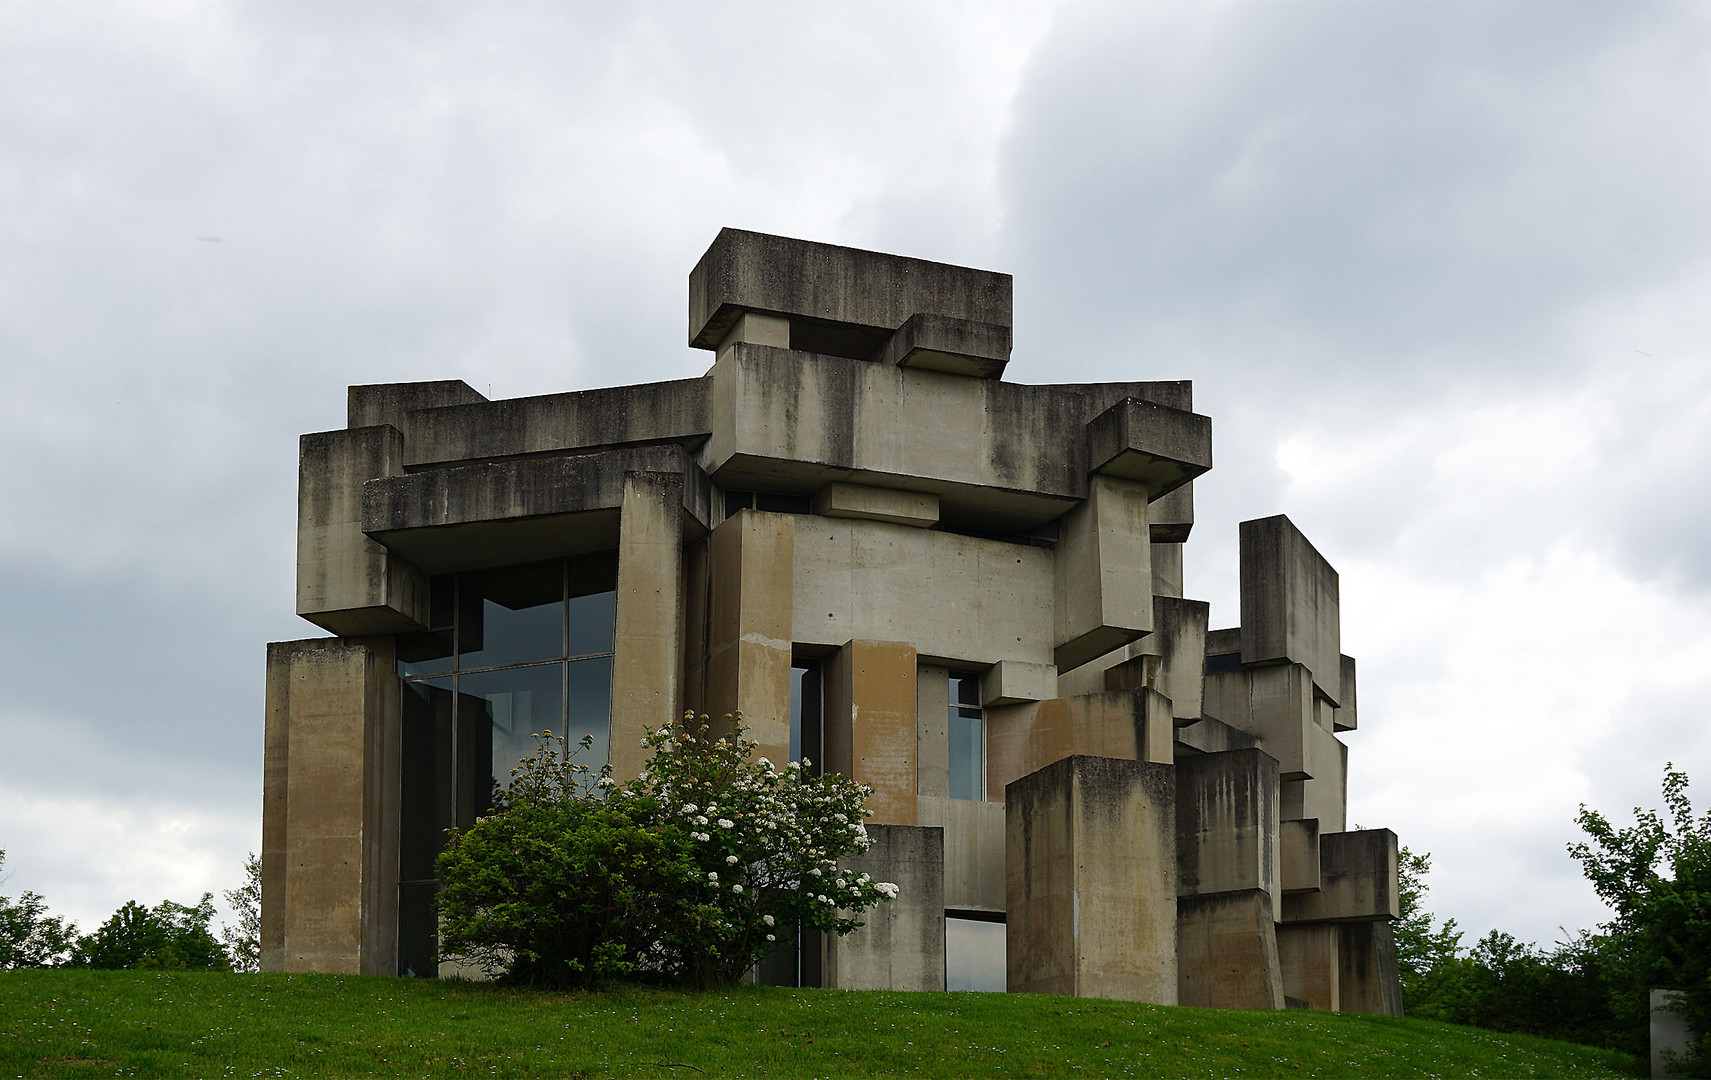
x,y
1226,951
1090,866
1103,573
1227,825
902,944
330,808
750,562
1312,967
1367,977
870,725
647,640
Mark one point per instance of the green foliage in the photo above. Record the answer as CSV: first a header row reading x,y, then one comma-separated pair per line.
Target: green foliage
x,y
243,941
170,937
90,1023
692,872
1425,956
29,936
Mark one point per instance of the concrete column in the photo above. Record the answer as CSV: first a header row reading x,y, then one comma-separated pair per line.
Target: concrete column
x,y
750,562
1367,974
1312,967
902,944
1103,573
647,642
330,808
1090,866
870,725
1226,951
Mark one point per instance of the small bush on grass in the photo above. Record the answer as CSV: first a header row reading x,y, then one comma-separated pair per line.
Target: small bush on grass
x,y
692,872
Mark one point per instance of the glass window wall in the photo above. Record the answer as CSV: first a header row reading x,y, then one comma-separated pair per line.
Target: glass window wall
x,y
967,738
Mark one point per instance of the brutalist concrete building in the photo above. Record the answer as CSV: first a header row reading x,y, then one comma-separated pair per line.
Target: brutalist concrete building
x,y
964,592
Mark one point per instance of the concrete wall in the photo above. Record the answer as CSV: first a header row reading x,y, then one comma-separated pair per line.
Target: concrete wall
x,y
869,725
1103,573
1669,1033
1090,860
1227,825
330,808
1357,880
902,945
974,850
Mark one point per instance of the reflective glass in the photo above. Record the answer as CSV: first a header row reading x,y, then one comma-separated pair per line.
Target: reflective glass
x,y
968,754
500,713
592,619
424,654
511,616
590,709
974,955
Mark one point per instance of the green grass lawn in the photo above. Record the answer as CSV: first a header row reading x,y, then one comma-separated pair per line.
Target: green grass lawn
x,y
124,1023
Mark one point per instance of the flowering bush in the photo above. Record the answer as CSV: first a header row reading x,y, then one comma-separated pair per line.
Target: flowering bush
x,y
695,870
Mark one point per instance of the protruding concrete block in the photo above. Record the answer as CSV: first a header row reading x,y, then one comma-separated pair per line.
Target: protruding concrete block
x,y
1151,444
1170,517
1368,979
1209,736
391,403
974,850
1171,659
901,945
957,346
755,328
1103,572
869,732
1290,603
748,655
1298,849
1227,825
1226,951
1012,682
346,582
865,503
1135,725
1312,964
1324,798
1091,868
647,637
1357,880
1275,704
1344,717
1167,569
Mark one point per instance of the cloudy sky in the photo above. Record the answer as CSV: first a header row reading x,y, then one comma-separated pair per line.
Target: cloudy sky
x,y
1439,272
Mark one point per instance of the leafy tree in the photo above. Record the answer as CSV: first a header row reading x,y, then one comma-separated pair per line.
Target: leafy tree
x,y
168,937
694,871
29,936
243,941
1656,877
1425,957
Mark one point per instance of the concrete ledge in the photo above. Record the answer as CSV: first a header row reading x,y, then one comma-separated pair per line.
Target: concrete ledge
x,y
1357,880
865,503
957,346
1149,443
392,403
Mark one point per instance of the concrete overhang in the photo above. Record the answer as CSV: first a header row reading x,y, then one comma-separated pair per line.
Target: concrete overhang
x,y
957,346
1152,444
830,292
521,510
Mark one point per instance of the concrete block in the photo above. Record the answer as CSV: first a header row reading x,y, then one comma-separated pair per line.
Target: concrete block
x,y
1312,965
1298,851
1368,980
648,633
1209,736
754,328
1103,563
1357,880
1289,597
864,503
1170,517
1275,704
1153,445
749,644
958,346
1171,659
932,735
1670,1035
1325,797
824,288
346,582
1167,569
1344,717
1090,863
1012,682
1227,825
392,403
901,945
1133,725
1226,951
870,731
974,850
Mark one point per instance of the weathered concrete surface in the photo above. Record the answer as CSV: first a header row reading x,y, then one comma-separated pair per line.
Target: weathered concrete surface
x,y
902,944
941,343
1312,966
1171,659
866,580
1012,682
1227,825
1226,951
865,503
346,582
1170,518
1368,980
1325,797
974,850
392,403
1298,850
1154,445
869,729
1209,736
1167,565
932,733
1669,1032
1103,573
748,648
1357,880
1275,704
330,811
1090,863
1290,603
648,634
1345,717
1134,725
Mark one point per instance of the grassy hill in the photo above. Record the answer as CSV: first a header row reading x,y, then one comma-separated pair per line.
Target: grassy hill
x,y
76,1023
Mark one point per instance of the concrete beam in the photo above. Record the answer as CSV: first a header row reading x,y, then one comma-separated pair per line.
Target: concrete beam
x,y
901,945
957,346
870,732
1153,445
1133,725
1171,659
864,503
392,403
1209,736
1290,605
1357,880
1345,718
1103,563
1298,850
1012,682
1090,860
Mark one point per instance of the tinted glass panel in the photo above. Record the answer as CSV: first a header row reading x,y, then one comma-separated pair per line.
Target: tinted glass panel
x,y
592,619
974,955
509,708
968,754
424,654
418,940
510,616
965,690
590,709
805,713
426,776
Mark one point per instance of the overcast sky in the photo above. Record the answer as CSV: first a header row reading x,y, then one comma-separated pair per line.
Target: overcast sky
x,y
1439,273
